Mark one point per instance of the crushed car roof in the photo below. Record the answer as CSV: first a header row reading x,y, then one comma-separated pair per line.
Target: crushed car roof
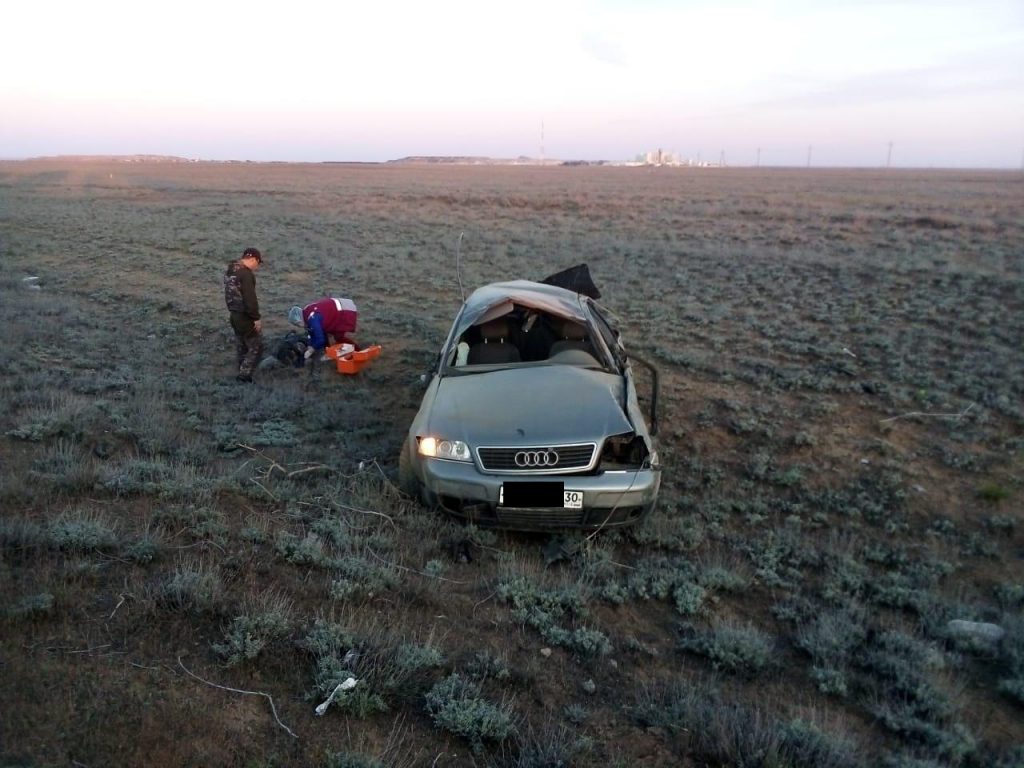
x,y
496,299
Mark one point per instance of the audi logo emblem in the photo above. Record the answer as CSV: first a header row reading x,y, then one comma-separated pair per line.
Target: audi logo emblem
x,y
536,458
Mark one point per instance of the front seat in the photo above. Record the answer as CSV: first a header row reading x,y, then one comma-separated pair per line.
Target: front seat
x,y
494,346
572,335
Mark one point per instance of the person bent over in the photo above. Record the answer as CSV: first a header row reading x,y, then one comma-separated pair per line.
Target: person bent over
x,y
244,308
327,321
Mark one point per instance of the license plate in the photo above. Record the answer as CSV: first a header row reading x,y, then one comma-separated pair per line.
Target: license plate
x,y
540,494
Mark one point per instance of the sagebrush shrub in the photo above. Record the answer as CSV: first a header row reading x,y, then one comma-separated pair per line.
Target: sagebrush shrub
x,y
727,731
458,705
485,664
731,647
265,618
66,467
413,657
543,609
194,586
81,531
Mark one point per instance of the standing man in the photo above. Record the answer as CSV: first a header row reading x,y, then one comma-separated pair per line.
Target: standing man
x,y
240,296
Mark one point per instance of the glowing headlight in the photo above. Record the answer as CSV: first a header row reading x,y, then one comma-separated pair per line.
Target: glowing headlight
x,y
453,450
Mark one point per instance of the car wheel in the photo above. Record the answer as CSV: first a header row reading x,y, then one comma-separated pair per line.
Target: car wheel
x,y
408,483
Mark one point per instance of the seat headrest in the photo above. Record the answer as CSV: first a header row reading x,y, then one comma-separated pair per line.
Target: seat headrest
x,y
572,330
495,329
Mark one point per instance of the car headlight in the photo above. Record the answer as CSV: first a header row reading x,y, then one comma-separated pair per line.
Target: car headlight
x,y
439,448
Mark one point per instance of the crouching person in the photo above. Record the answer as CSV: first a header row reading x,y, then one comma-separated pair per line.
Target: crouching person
x,y
327,321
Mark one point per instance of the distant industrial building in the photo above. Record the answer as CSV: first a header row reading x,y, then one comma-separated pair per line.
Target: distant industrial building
x,y
663,157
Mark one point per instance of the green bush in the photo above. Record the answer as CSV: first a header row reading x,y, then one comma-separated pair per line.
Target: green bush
x,y
485,664
576,714
1009,595
265,618
665,578
81,532
778,556
734,648
21,533
458,705
166,478
552,747
906,702
543,609
412,657
200,521
144,549
359,577
723,730
193,586
993,492
723,579
831,639
66,467
804,743
308,550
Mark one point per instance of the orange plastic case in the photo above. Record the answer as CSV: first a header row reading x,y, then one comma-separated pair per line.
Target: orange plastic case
x,y
334,351
370,353
354,361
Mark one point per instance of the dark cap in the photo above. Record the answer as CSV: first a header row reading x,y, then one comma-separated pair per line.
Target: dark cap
x,y
253,253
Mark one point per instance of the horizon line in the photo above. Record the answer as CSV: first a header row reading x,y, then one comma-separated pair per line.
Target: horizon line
x,y
521,160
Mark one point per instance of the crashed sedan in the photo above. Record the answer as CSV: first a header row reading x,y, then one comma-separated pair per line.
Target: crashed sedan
x,y
531,419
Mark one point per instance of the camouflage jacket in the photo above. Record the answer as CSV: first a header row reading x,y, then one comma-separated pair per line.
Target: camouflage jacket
x,y
240,290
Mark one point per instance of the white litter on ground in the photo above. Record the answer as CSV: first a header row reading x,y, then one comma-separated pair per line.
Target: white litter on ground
x,y
346,685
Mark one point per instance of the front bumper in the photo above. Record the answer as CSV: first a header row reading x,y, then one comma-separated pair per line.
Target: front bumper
x,y
610,499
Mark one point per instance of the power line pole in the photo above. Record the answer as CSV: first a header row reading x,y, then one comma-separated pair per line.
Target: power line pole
x,y
758,157
888,159
542,142
809,148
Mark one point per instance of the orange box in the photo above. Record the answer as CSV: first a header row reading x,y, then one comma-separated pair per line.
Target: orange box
x,y
370,353
349,366
354,361
334,351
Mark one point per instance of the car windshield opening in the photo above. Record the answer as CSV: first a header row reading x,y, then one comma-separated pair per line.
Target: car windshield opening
x,y
524,335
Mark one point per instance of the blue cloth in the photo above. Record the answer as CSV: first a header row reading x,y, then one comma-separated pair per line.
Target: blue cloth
x,y
317,337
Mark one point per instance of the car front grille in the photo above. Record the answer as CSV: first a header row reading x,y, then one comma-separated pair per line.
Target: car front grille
x,y
539,518
574,457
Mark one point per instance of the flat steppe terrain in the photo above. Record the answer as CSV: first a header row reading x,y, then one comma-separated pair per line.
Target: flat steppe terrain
x,y
189,566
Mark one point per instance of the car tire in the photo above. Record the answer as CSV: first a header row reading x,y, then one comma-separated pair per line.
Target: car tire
x,y
408,483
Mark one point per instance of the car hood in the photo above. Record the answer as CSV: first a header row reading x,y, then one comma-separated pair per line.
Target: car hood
x,y
538,405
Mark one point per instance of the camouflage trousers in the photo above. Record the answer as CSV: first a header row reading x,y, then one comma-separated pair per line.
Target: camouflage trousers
x,y
248,344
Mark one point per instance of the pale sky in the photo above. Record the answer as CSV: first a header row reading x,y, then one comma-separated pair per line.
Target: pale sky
x,y
298,80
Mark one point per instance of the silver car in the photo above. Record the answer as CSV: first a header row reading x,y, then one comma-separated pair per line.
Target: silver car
x,y
531,419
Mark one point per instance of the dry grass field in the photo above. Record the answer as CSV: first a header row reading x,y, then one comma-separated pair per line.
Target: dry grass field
x,y
189,566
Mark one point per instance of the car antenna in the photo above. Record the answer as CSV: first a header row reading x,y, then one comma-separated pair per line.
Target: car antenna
x,y
458,266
